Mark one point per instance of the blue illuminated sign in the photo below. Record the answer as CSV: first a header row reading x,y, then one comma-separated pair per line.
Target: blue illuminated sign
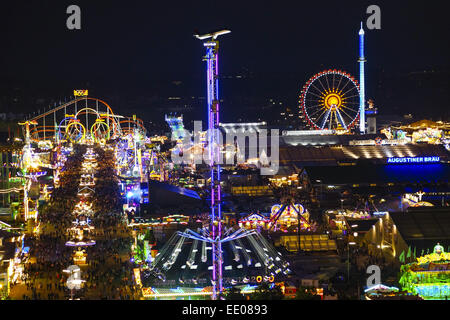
x,y
410,160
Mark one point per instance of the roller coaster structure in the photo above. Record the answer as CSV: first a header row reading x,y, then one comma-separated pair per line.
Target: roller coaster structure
x,y
82,119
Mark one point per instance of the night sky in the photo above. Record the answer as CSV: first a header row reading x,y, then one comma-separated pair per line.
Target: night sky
x,y
137,47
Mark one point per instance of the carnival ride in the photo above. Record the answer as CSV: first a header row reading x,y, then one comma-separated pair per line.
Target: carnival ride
x,y
285,216
129,156
215,236
185,259
82,120
330,100
428,276
365,206
224,243
362,81
176,126
50,136
333,99
88,120
178,132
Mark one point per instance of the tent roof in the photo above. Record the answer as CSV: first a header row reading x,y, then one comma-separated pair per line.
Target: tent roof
x,y
423,225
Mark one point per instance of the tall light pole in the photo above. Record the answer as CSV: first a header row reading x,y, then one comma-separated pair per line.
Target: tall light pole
x,y
212,77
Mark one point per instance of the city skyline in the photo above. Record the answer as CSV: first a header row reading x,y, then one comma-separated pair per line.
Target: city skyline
x,y
127,53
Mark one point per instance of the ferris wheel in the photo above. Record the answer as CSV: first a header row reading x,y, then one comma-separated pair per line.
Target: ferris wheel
x,y
330,100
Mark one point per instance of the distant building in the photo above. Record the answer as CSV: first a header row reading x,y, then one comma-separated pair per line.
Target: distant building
x,y
404,235
9,159
8,244
313,242
326,155
371,116
368,166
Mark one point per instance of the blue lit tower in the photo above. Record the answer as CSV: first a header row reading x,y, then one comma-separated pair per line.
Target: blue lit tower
x,y
361,60
212,74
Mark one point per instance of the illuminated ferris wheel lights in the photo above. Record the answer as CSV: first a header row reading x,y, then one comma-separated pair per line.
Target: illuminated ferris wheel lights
x,y
327,99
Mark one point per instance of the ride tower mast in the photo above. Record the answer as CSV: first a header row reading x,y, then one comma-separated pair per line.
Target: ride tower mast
x,y
212,77
362,98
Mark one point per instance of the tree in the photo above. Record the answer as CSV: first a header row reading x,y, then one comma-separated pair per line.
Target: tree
x,y
149,236
234,294
401,257
264,292
305,293
408,255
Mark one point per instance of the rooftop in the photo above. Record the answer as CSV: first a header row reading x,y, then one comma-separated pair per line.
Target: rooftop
x,y
380,174
332,155
423,228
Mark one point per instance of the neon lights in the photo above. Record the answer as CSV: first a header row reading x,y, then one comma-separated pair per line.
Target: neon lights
x,y
10,190
380,287
80,243
78,133
212,73
100,131
362,60
429,276
408,160
380,213
284,216
153,293
334,108
80,93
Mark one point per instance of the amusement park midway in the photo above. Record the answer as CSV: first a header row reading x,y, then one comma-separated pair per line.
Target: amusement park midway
x,y
332,199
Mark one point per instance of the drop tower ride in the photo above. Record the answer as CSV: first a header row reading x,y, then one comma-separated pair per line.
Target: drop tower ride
x,y
362,60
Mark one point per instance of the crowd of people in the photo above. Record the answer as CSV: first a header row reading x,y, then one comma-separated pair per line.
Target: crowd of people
x,y
107,272
42,275
109,276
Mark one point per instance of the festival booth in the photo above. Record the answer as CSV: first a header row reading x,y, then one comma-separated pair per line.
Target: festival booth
x,y
79,257
176,293
255,221
341,221
382,292
429,276
424,131
415,200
